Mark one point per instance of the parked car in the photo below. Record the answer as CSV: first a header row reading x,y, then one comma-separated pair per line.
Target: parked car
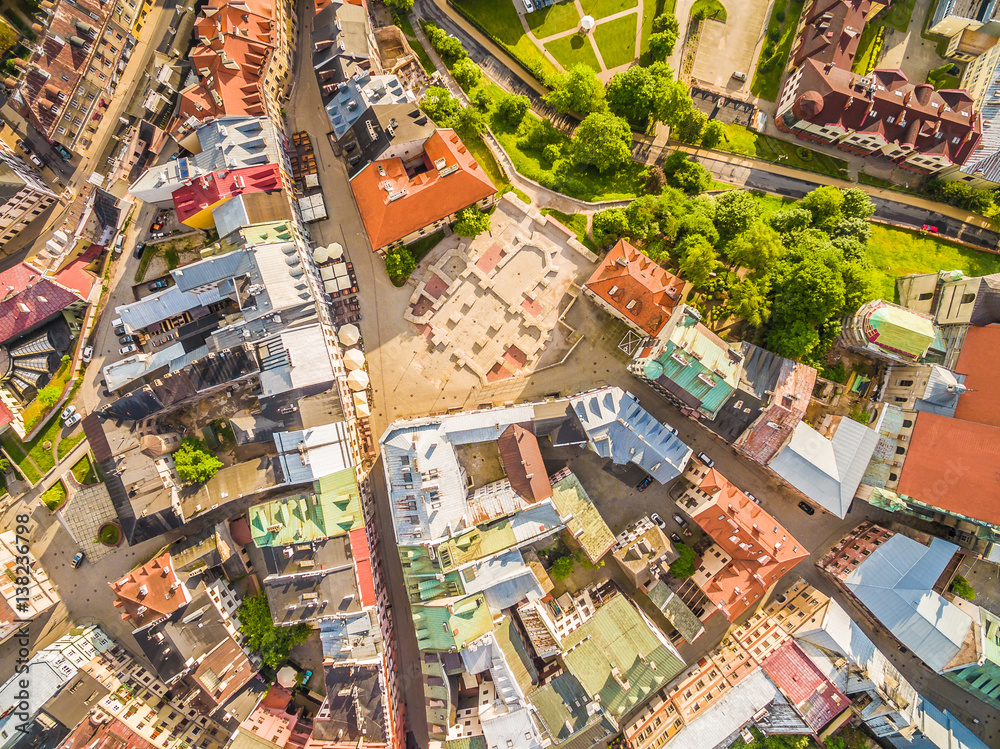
x,y
119,243
675,538
753,499
23,145
929,227
74,419
528,7
117,323
137,252
127,349
36,161
672,430
658,520
77,560
88,354
69,411
641,486
161,283
680,521
706,460
740,76
120,330
125,340
807,508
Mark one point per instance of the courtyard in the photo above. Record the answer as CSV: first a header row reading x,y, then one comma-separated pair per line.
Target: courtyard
x,y
493,306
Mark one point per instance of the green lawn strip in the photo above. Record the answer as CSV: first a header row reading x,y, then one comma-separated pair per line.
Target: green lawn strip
x,y
767,77
901,252
573,50
616,40
601,8
742,140
867,50
54,496
83,471
650,9
36,410
15,451
422,246
897,16
42,456
709,9
66,445
403,21
499,20
577,223
552,20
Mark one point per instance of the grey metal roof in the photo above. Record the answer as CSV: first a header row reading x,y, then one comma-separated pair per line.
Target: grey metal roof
x,y
213,269
938,729
827,471
166,304
619,428
942,392
896,584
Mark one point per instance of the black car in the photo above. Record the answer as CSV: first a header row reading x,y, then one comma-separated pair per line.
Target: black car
x,y
137,252
807,508
120,330
125,340
23,145
675,538
160,284
641,486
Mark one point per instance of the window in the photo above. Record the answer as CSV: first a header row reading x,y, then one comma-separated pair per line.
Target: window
x,y
905,383
907,423
900,450
967,298
893,477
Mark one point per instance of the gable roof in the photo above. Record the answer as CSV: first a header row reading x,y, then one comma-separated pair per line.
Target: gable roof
x,y
522,462
827,470
394,205
642,291
148,593
584,519
805,686
207,191
34,300
980,401
895,582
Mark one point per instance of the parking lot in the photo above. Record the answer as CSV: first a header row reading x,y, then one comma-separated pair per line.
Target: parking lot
x,y
725,48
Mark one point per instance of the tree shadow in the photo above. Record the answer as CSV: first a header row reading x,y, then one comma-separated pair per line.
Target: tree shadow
x,y
577,41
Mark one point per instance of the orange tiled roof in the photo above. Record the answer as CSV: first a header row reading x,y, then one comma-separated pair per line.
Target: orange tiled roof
x,y
951,464
522,461
426,197
149,593
218,23
978,362
641,290
761,550
223,672
204,192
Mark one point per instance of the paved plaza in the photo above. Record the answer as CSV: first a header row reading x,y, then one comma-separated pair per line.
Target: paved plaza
x,y
493,305
88,508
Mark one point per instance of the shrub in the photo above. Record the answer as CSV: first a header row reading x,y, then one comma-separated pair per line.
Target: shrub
x,y
683,567
551,153
961,588
399,264
49,395
194,463
780,15
273,643
562,568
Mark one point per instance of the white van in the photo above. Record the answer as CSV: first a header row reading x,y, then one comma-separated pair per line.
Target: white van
x,y
119,243
528,7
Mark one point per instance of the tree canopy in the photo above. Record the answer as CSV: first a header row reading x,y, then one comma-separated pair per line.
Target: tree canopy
x,y
441,106
603,140
577,90
471,222
683,566
274,644
512,108
194,463
399,263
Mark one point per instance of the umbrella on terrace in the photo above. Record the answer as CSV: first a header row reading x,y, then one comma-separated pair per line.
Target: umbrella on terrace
x,y
358,380
354,359
349,334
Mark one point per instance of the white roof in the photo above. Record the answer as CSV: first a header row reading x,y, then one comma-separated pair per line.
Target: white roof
x,y
307,364
828,471
125,371
895,583
310,454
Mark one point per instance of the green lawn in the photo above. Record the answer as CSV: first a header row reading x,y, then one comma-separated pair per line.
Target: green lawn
x,y
554,19
868,50
573,50
651,9
602,8
904,252
15,451
742,140
577,222
83,471
709,9
54,496
36,411
499,20
616,40
897,16
66,445
767,77
941,77
403,21
422,246
42,456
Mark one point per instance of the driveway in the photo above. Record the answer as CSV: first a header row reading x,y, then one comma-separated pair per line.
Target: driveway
x,y
725,48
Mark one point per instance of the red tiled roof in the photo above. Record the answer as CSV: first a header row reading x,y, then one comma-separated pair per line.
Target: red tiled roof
x,y
805,686
761,550
75,276
108,734
223,672
762,440
522,461
832,31
640,289
428,196
978,362
951,464
147,594
32,300
363,566
206,191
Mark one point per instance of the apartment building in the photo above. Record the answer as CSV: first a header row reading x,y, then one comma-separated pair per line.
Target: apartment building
x,y
23,195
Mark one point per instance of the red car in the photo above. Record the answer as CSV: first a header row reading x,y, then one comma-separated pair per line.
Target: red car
x,y
931,229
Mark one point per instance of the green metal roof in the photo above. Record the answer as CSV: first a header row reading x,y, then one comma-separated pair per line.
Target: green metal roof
x,y
900,330
586,523
469,742
560,701
617,641
443,628
333,510
518,660
699,363
420,573
984,680
476,543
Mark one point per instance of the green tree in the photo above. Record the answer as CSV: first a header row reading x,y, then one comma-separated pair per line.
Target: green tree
x,y
857,204
577,90
512,109
603,140
471,222
699,260
691,126
194,463
673,99
683,567
854,227
632,94
661,44
749,301
49,395
795,339
403,6
756,248
399,263
441,106
274,644
450,49
562,568
713,134
469,123
861,284
789,221
4,465
824,203
691,177
735,212
467,73
609,226
962,588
